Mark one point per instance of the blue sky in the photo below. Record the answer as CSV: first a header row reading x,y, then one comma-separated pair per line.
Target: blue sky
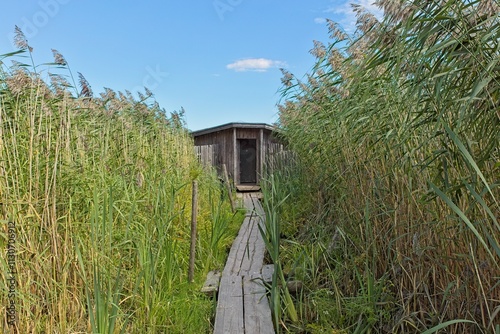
x,y
218,59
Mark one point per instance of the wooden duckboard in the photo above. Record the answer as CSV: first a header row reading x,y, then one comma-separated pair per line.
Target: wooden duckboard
x,y
247,188
212,282
242,305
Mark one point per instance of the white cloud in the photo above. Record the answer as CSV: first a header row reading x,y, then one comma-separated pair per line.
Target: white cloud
x,y
320,20
346,16
255,65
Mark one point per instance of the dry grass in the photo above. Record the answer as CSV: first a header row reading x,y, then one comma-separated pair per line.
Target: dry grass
x,y
397,137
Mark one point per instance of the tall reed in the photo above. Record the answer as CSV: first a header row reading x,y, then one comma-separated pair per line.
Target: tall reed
x,y
99,190
280,299
397,129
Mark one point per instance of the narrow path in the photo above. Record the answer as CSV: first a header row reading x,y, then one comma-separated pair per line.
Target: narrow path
x,y
242,305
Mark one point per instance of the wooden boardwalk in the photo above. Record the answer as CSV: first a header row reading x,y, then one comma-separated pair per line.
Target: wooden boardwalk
x,y
242,305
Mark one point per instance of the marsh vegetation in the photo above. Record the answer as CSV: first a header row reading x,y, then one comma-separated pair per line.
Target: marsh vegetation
x,y
99,189
389,210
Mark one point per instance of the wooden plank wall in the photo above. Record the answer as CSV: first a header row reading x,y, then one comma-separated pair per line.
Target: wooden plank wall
x,y
225,149
277,155
223,140
207,154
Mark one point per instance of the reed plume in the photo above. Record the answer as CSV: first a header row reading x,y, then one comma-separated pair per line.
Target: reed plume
x,y
58,58
20,40
85,86
319,50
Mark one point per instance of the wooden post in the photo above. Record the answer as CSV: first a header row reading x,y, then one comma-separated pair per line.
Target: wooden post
x,y
262,156
236,159
228,186
194,213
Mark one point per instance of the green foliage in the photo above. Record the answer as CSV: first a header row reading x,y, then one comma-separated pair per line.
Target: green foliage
x,y
273,199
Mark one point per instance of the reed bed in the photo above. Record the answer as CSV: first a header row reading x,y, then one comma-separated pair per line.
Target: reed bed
x,y
99,190
391,216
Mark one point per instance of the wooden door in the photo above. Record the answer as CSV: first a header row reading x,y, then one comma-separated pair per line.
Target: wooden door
x,y
248,160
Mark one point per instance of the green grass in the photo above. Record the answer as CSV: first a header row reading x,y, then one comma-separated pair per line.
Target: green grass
x,y
100,191
280,298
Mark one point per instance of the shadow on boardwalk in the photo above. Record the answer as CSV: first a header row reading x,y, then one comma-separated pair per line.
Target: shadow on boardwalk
x,y
242,305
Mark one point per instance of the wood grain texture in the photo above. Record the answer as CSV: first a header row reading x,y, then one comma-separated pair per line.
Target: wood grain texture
x,y
229,318
219,145
257,311
242,303
212,282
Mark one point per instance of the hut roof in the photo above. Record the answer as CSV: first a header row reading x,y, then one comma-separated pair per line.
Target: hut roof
x,y
233,125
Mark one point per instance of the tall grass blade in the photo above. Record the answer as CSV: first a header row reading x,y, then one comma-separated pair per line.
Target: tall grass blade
x,y
446,324
470,160
463,217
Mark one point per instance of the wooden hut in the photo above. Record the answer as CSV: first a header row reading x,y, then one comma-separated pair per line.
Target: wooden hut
x,y
245,149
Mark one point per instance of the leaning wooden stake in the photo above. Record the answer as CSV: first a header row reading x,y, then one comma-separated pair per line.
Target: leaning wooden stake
x,y
228,186
194,212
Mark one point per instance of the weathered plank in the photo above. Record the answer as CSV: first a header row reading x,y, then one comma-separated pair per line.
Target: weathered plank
x,y
212,282
257,311
229,318
267,273
238,249
244,188
243,306
251,262
257,207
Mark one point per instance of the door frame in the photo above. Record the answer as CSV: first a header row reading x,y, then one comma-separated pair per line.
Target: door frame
x,y
255,159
